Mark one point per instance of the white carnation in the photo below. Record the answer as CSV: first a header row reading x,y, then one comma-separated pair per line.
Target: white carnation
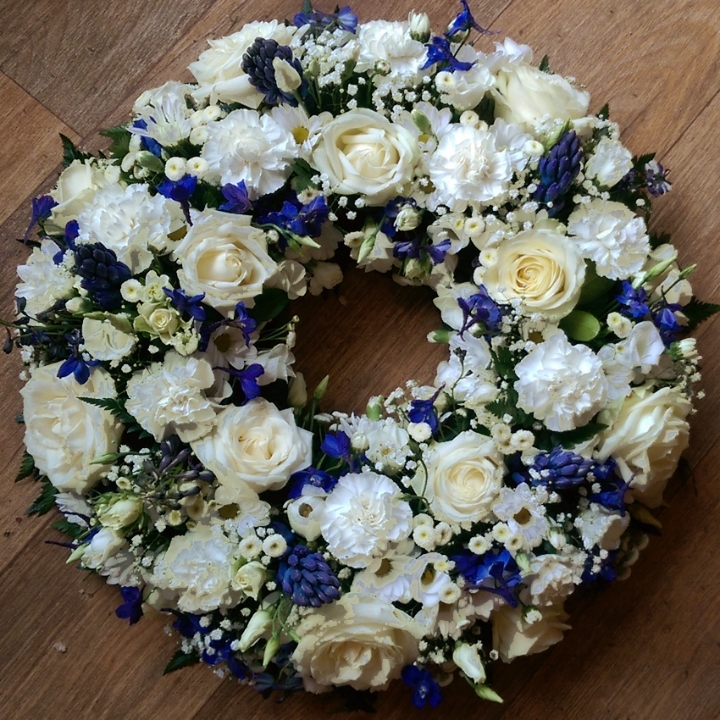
x,y
130,222
610,235
250,148
381,40
108,339
609,164
43,281
168,398
561,384
362,515
467,167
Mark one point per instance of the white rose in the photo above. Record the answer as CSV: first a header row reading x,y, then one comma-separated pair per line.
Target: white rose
x,y
108,339
514,637
363,152
647,439
541,268
75,188
198,566
104,544
363,514
467,658
356,641
64,434
219,70
225,258
609,164
250,578
463,478
561,384
524,95
256,445
121,513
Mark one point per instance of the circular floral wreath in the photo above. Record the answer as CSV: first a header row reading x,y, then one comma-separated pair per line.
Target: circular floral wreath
x,y
444,528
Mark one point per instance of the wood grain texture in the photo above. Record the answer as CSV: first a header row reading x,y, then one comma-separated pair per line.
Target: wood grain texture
x,y
644,649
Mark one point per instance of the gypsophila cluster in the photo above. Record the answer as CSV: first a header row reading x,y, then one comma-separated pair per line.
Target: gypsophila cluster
x,y
444,529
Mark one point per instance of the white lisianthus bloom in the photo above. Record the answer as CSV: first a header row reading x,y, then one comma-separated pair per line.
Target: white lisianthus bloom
x,y
363,152
667,285
64,434
428,583
467,658
355,641
524,95
277,364
304,515
601,527
609,164
468,168
75,188
219,71
104,545
391,42
541,268
514,637
255,445
168,398
447,302
120,513
225,258
291,278
198,567
363,514
130,222
642,349
325,275
467,88
108,339
248,147
43,281
647,438
165,113
461,478
561,384
612,236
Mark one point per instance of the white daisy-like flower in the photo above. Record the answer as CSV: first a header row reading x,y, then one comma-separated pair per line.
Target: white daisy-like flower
x,y
304,128
43,281
561,384
467,168
168,398
363,514
274,545
250,547
251,148
523,513
164,114
388,577
130,222
610,235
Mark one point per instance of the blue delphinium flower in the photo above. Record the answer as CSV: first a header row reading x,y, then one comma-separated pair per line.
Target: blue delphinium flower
x,y
178,190
242,321
633,301
480,309
597,567
425,688
247,380
337,446
424,411
147,143
298,219
76,364
495,571
306,578
237,198
131,608
667,322
656,179
187,306
343,18
41,208
309,476
463,23
440,52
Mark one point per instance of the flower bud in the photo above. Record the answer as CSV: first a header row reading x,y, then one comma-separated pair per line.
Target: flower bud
x,y
419,24
286,76
260,623
467,658
120,513
297,393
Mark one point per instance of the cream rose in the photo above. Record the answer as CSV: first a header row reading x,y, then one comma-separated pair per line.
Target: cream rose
x,y
356,641
225,258
363,152
463,478
525,95
256,445
64,434
540,267
250,578
514,637
647,439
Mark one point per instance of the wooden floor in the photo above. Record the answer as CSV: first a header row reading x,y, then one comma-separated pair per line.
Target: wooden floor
x,y
645,648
